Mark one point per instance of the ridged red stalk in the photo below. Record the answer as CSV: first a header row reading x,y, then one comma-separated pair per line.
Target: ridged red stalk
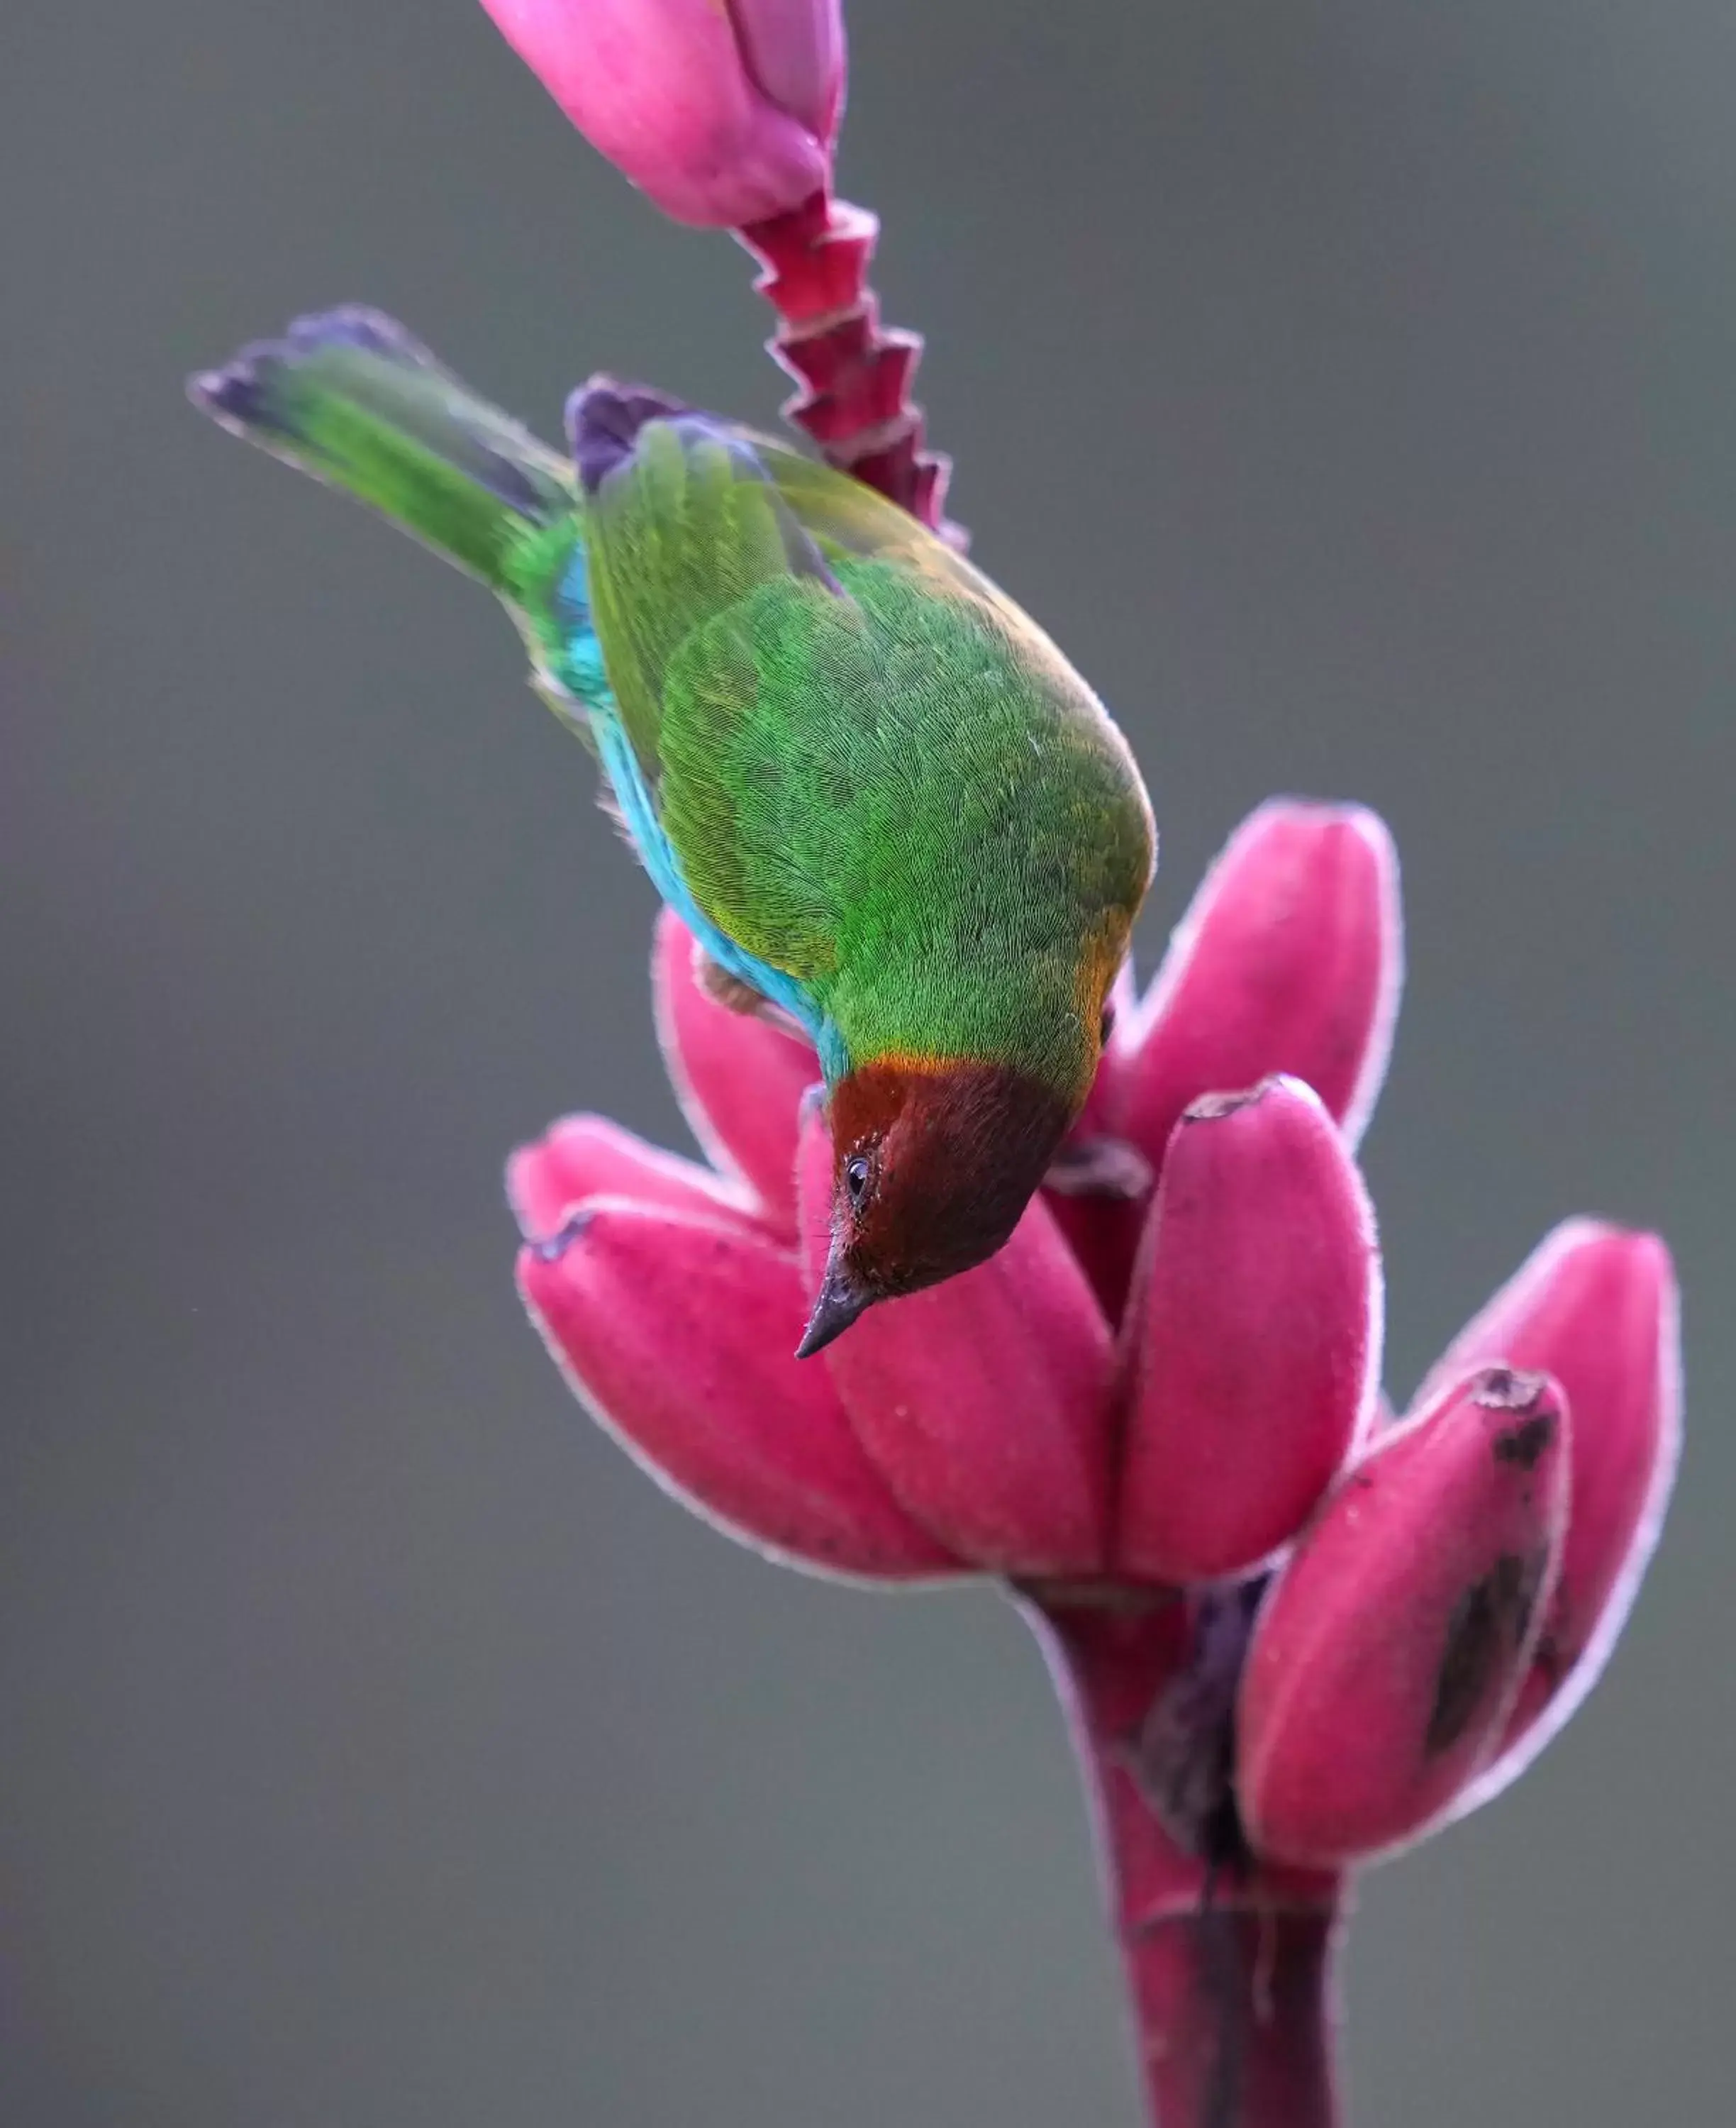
x,y
1229,1964
855,373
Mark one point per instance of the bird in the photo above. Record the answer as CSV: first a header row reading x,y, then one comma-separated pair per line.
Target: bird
x,y
880,798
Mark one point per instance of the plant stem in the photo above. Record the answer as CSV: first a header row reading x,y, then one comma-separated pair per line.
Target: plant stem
x,y
854,372
1230,1962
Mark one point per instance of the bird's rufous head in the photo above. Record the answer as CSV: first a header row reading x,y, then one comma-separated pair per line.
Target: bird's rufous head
x,y
932,1164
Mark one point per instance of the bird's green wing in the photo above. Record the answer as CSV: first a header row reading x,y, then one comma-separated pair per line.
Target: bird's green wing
x,y
713,604
847,520
682,528
858,749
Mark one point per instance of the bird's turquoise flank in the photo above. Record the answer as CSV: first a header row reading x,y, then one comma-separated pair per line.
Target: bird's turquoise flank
x,y
580,668
875,790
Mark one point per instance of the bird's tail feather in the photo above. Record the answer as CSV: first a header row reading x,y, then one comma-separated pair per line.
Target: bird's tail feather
x,y
349,397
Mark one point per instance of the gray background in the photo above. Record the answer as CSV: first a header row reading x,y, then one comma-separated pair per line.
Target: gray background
x,y
1349,384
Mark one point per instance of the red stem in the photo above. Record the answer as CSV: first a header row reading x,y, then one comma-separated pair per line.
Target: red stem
x,y
1230,1971
854,372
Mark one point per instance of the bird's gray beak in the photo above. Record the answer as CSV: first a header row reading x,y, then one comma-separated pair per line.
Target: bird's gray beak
x,y
840,1300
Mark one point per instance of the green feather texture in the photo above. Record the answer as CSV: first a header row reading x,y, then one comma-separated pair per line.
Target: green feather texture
x,y
878,775
874,786
349,397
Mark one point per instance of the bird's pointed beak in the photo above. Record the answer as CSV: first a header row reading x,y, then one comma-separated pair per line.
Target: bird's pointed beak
x,y
839,1302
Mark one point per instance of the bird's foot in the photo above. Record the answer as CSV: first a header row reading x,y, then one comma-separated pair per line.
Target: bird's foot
x,y
736,995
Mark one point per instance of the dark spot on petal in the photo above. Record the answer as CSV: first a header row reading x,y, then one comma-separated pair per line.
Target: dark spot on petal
x,y
1183,1758
1487,1624
1505,1389
1100,1167
1524,1443
1212,1108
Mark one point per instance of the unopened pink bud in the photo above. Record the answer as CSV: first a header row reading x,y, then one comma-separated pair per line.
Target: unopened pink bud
x,y
1389,1651
1596,1306
739,1079
1290,959
983,1401
723,111
678,1331
1251,1338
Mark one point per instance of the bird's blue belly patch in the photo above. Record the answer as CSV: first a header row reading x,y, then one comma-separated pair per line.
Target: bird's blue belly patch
x,y
582,675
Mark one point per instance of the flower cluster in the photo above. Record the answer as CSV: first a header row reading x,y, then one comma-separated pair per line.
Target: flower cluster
x,y
1168,1379
1291,1630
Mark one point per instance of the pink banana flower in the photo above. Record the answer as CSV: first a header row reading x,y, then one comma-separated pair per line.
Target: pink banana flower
x,y
1292,1634
724,112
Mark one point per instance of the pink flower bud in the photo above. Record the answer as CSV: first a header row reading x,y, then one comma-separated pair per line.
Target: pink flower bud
x,y
1251,1338
983,1402
678,1331
1596,1307
739,1079
723,111
1388,1654
1288,960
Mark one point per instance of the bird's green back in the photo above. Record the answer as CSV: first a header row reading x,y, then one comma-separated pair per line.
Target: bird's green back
x,y
878,776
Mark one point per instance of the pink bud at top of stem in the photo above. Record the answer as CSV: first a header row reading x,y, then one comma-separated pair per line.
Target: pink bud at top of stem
x,y
1388,1653
1251,1342
723,111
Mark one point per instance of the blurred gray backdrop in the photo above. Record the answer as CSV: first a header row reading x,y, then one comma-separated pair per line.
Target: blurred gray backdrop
x,y
1349,384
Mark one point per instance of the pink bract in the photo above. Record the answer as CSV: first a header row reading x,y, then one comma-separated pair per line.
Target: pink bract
x,y
1145,1393
1253,1340
725,114
1393,1643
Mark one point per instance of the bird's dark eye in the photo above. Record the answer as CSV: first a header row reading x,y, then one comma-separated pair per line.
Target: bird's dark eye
x,y
857,1172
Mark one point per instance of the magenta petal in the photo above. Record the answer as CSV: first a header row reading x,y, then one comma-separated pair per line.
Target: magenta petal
x,y
983,1401
587,1156
1290,959
1389,1650
660,86
677,1333
795,51
1252,1335
1596,1307
739,1079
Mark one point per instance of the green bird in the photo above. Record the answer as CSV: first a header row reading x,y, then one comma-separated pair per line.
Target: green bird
x,y
875,791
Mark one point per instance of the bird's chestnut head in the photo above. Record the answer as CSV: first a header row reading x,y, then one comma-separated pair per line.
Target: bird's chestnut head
x,y
933,1161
